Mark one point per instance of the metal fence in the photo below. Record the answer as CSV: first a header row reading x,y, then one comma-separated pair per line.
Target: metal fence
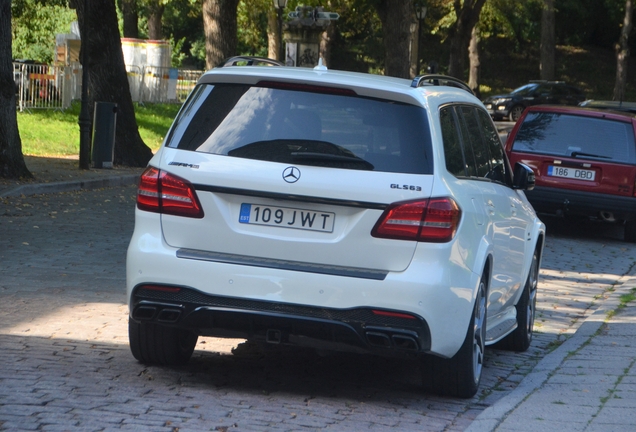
x,y
161,84
40,86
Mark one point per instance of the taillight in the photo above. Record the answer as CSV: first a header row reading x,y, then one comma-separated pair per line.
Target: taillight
x,y
431,220
162,192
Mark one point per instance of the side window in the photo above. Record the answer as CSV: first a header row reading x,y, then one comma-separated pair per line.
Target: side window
x,y
452,145
493,143
560,91
473,138
544,90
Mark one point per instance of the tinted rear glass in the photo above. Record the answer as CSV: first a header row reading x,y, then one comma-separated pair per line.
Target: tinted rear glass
x,y
304,128
576,136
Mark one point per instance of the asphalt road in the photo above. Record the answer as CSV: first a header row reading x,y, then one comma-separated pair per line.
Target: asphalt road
x,y
65,362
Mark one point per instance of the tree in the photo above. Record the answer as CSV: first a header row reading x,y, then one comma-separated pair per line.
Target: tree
x,y
622,53
548,42
473,56
219,24
182,23
155,13
467,13
11,160
273,49
34,24
396,17
130,13
107,79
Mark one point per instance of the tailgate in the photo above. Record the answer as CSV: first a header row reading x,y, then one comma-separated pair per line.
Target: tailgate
x,y
323,218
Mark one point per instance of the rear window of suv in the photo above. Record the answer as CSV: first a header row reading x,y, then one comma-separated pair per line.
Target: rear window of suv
x,y
316,127
583,137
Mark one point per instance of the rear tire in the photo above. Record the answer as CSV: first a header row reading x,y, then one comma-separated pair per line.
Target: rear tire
x,y
460,376
630,231
520,339
161,345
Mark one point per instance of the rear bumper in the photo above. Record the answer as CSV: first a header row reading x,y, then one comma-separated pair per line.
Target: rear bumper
x,y
570,202
355,330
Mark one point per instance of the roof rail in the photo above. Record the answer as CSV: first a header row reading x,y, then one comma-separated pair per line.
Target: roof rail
x,y
443,80
249,61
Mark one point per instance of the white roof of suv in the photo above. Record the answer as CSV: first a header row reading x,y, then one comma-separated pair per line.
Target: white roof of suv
x,y
399,89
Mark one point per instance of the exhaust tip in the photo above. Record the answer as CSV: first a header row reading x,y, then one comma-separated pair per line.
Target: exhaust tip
x,y
404,342
144,313
169,315
378,339
273,336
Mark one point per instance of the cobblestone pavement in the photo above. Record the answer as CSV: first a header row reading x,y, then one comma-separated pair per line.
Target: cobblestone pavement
x,y
65,362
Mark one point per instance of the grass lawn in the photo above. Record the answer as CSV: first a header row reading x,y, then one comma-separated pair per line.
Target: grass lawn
x,y
56,133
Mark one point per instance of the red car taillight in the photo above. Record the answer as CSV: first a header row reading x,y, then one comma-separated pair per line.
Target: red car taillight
x,y
162,192
431,220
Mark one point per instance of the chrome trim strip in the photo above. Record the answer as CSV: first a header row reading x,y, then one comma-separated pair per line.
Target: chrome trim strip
x,y
290,197
281,264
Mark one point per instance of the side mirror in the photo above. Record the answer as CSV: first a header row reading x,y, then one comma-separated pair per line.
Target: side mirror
x,y
523,177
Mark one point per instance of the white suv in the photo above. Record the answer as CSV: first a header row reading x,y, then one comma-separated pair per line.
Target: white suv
x,y
339,211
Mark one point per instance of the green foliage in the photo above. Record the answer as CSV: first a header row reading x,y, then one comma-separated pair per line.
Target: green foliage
x,y
252,27
197,53
35,23
358,43
517,22
183,26
176,50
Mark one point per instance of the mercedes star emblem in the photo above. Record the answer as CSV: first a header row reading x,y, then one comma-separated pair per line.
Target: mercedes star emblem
x,y
291,174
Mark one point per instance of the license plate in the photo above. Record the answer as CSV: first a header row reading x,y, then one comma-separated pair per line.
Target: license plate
x,y
574,173
286,217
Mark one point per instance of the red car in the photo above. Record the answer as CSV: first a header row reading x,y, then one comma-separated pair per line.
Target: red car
x,y
584,161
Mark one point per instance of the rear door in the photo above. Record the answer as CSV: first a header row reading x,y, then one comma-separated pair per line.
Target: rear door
x,y
505,211
474,155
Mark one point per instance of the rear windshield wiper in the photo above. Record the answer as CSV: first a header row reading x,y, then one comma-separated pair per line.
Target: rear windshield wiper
x,y
578,153
332,157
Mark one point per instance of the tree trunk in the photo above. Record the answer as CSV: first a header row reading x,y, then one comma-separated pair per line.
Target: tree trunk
x,y
396,17
107,79
219,25
473,56
11,160
547,41
414,67
467,17
155,13
130,12
272,35
622,53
